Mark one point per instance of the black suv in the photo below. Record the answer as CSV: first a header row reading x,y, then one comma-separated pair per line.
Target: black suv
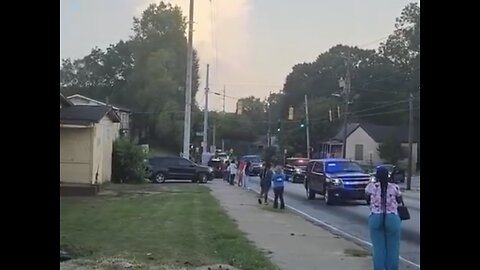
x,y
336,180
396,174
295,169
163,168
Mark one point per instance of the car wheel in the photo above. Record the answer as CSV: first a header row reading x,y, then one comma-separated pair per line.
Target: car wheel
x,y
310,194
202,178
159,178
328,200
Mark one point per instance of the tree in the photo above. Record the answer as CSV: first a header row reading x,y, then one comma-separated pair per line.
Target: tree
x,y
391,150
254,110
146,73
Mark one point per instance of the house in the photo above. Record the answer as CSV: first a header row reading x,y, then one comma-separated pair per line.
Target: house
x,y
124,114
64,102
363,140
86,143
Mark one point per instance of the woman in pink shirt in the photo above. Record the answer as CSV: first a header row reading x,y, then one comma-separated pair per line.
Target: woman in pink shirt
x,y
384,222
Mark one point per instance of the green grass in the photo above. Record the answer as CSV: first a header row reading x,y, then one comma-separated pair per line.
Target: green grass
x,y
179,224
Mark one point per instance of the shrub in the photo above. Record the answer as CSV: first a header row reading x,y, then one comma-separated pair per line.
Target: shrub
x,y
128,162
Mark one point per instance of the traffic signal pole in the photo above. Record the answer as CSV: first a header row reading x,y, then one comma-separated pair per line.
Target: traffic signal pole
x,y
307,124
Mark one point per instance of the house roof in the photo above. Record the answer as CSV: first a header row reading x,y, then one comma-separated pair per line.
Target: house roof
x,y
118,108
377,132
64,101
86,114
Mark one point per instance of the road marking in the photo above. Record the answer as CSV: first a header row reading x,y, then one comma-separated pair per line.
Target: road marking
x,y
331,227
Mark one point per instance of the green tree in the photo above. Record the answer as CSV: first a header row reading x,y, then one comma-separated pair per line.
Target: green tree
x,y
146,73
391,150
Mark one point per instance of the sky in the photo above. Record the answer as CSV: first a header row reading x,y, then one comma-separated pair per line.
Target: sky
x,y
251,45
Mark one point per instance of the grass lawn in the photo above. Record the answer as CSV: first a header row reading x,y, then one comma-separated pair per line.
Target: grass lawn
x,y
171,224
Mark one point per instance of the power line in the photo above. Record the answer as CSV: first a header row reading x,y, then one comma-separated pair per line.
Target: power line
x,y
381,106
251,84
388,112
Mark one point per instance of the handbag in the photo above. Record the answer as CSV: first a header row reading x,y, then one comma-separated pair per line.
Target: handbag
x,y
403,212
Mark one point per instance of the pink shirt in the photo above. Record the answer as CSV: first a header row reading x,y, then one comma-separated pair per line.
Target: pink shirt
x,y
393,191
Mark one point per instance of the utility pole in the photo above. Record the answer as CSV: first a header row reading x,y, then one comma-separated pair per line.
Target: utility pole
x,y
410,142
346,92
188,87
224,90
214,143
269,131
307,129
205,114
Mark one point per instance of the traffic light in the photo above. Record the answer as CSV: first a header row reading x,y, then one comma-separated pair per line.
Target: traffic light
x,y
279,125
302,123
290,113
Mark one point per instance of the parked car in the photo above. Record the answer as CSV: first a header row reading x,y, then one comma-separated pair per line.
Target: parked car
x,y
222,156
218,166
178,168
396,174
295,169
336,179
256,164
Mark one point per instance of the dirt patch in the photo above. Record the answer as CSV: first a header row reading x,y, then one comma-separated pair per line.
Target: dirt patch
x,y
356,252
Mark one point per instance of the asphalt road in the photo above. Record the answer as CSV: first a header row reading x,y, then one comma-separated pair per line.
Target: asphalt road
x,y
351,217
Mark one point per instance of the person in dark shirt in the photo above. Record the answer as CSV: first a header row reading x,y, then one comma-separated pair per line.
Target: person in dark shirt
x,y
265,182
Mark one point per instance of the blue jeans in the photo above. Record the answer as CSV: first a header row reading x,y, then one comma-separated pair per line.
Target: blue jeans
x,y
385,241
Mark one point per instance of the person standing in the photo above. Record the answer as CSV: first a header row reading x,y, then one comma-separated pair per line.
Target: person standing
x,y
232,170
246,173
384,221
265,183
278,180
241,166
226,171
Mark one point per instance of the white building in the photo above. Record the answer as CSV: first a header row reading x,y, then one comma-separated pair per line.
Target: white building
x,y
364,139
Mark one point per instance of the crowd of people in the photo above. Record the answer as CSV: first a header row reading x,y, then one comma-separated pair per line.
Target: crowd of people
x,y
383,196
272,175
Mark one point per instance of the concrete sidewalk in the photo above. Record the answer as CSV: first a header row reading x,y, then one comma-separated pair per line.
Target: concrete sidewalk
x,y
292,242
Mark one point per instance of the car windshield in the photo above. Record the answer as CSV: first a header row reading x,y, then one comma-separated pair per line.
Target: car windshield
x,y
253,159
342,166
298,162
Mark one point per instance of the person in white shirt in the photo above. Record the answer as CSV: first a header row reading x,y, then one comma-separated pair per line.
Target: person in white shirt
x,y
232,169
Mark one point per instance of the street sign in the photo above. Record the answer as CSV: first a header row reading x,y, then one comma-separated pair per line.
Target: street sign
x,y
199,134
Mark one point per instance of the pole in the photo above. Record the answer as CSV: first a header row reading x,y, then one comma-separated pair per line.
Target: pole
x,y
269,131
214,137
410,142
205,114
345,113
188,87
307,129
224,90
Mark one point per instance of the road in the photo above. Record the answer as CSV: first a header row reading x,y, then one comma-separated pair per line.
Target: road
x,y
352,217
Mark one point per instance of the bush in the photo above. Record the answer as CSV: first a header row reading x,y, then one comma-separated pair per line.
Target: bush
x,y
127,162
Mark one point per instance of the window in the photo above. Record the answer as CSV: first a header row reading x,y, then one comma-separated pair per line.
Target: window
x,y
184,162
317,167
342,166
358,151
